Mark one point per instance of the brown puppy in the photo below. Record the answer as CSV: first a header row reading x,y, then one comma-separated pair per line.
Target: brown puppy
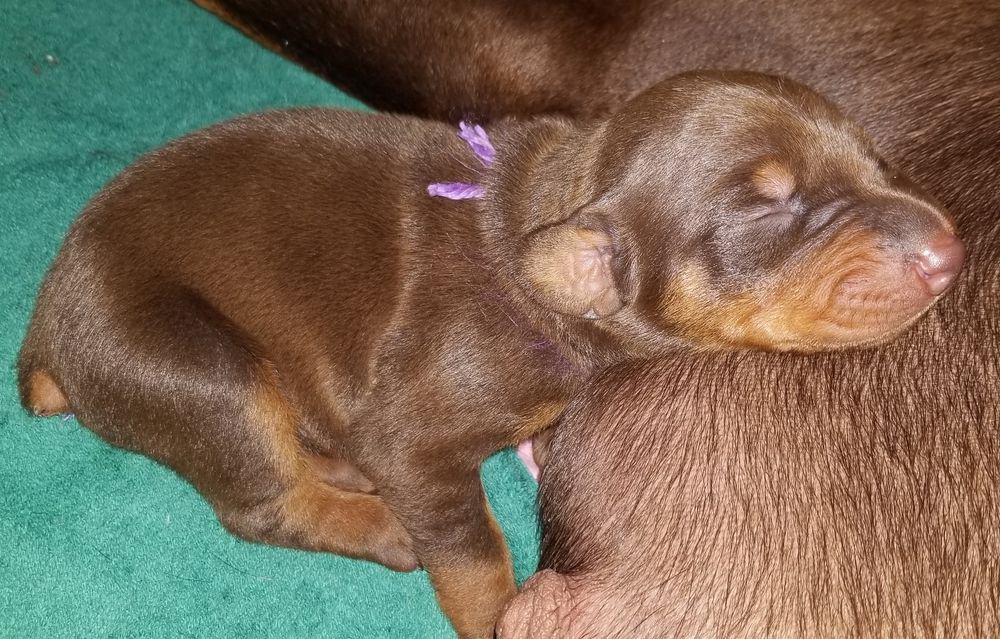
x,y
276,309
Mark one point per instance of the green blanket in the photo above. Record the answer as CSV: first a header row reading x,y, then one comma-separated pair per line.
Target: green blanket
x,y
95,542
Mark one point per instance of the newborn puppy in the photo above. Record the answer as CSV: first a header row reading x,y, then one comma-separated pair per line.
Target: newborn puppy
x,y
754,495
276,308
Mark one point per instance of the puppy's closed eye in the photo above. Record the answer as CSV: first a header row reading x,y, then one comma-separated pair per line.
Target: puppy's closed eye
x,y
774,193
772,214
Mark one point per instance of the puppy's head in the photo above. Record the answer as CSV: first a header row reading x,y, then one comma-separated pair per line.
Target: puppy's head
x,y
744,210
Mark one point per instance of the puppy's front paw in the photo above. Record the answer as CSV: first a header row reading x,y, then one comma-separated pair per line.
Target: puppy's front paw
x,y
393,547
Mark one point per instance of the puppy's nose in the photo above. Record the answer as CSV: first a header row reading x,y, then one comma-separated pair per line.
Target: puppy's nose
x,y
939,262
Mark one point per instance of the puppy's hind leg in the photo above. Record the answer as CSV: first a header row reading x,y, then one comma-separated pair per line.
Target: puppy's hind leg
x,y
252,467
164,374
311,511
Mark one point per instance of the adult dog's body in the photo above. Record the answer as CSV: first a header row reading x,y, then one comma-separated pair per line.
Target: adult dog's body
x,y
749,495
449,59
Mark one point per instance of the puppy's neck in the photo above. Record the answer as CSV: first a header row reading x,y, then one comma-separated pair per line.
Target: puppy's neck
x,y
544,173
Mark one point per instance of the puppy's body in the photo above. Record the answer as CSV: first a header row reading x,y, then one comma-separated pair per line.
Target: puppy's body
x,y
269,304
275,307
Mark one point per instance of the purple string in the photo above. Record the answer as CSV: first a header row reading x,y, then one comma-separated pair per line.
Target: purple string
x,y
480,143
456,190
477,139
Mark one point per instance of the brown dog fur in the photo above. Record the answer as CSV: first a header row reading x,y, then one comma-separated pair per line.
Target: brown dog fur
x,y
449,59
753,495
276,309
922,77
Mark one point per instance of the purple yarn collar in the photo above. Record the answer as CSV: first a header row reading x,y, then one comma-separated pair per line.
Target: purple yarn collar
x,y
480,144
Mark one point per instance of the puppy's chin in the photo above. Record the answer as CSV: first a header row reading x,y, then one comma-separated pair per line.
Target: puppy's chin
x,y
854,328
823,333
865,307
855,315
865,313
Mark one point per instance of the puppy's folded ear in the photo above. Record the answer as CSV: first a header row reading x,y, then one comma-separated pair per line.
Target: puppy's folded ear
x,y
572,267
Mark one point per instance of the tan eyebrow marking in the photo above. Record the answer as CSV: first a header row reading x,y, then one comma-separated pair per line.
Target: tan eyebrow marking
x,y
774,179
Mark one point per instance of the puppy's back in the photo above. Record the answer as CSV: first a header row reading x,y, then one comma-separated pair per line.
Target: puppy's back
x,y
286,224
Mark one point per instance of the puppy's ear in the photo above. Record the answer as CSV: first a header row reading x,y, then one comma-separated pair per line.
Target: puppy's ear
x,y
571,267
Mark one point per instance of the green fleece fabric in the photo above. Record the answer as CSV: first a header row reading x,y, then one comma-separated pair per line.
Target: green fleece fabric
x,y
96,542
